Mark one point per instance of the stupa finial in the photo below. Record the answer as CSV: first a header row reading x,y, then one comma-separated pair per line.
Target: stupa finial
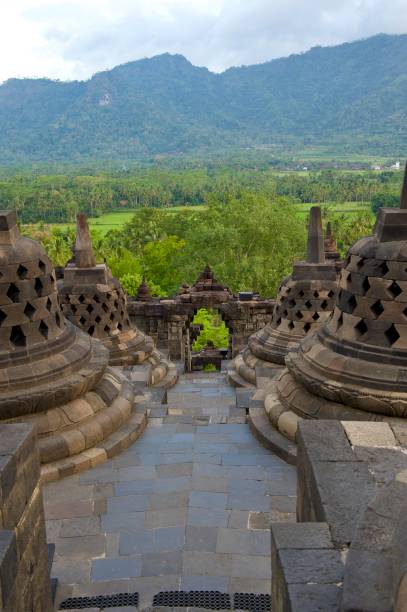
x,y
84,256
315,248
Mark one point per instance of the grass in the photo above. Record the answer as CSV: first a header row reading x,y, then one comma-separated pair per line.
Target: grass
x,y
116,220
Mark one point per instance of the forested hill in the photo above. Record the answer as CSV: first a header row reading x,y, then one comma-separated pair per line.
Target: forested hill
x,y
352,96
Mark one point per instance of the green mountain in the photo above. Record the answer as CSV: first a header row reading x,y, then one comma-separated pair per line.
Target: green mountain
x,y
352,97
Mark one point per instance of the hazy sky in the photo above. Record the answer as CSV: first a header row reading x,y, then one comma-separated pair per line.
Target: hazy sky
x,y
72,39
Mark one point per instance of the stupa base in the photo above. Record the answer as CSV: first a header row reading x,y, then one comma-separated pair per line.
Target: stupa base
x,y
247,370
277,409
111,446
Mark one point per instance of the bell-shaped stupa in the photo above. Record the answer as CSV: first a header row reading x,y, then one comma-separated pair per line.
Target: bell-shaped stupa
x,y
304,302
93,300
355,366
51,373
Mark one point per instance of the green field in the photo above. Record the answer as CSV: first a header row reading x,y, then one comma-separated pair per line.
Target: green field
x,y
116,220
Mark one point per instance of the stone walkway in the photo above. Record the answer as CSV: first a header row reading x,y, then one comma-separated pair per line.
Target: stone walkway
x,y
186,507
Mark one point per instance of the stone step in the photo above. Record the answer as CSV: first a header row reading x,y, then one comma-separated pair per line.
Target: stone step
x,y
269,437
238,381
114,444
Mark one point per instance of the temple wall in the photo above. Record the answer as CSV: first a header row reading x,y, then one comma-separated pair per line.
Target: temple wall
x,y
166,321
24,574
348,550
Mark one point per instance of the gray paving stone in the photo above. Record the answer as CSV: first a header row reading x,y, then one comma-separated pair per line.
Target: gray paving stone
x,y
127,503
164,501
87,525
108,569
207,483
152,541
166,518
123,521
208,517
207,499
161,564
205,583
243,541
249,501
201,538
136,487
171,471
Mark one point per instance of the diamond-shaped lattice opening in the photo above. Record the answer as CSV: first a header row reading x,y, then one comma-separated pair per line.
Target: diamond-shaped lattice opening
x,y
38,287
331,293
299,314
384,268
392,334
3,316
120,326
308,304
292,303
42,266
13,292
307,327
278,321
340,321
96,299
89,308
17,336
91,330
324,305
111,316
22,272
301,293
315,316
29,311
98,319
106,329
360,263
58,319
116,304
349,278
352,303
81,299
316,294
48,305
82,320
394,289
377,308
291,325
108,295
361,327
285,313
105,308
74,308
43,329
366,285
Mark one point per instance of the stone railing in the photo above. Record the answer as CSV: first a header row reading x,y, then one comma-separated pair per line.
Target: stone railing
x,y
24,575
348,551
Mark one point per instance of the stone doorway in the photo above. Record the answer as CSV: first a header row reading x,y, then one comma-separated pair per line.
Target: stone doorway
x,y
207,341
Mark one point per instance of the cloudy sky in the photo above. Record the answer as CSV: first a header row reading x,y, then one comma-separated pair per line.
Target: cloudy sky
x,y
72,39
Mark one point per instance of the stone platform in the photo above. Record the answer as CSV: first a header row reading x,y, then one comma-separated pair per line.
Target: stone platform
x,y
188,506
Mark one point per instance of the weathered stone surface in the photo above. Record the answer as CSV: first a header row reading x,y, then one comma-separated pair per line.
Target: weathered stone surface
x,y
51,374
24,573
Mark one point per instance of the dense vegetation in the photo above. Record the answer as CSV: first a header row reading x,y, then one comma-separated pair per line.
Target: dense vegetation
x,y
58,198
352,97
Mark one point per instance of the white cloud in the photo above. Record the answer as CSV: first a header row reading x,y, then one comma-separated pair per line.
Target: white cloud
x,y
70,39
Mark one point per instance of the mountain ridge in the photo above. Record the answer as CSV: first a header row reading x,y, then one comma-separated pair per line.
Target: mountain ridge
x,y
354,95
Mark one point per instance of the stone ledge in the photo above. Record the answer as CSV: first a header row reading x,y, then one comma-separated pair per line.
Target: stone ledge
x,y
269,437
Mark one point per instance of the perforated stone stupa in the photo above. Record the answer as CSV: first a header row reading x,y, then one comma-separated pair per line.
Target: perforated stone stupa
x,y
355,367
51,373
304,302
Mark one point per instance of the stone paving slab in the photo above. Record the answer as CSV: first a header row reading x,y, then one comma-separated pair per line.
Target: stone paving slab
x,y
187,506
